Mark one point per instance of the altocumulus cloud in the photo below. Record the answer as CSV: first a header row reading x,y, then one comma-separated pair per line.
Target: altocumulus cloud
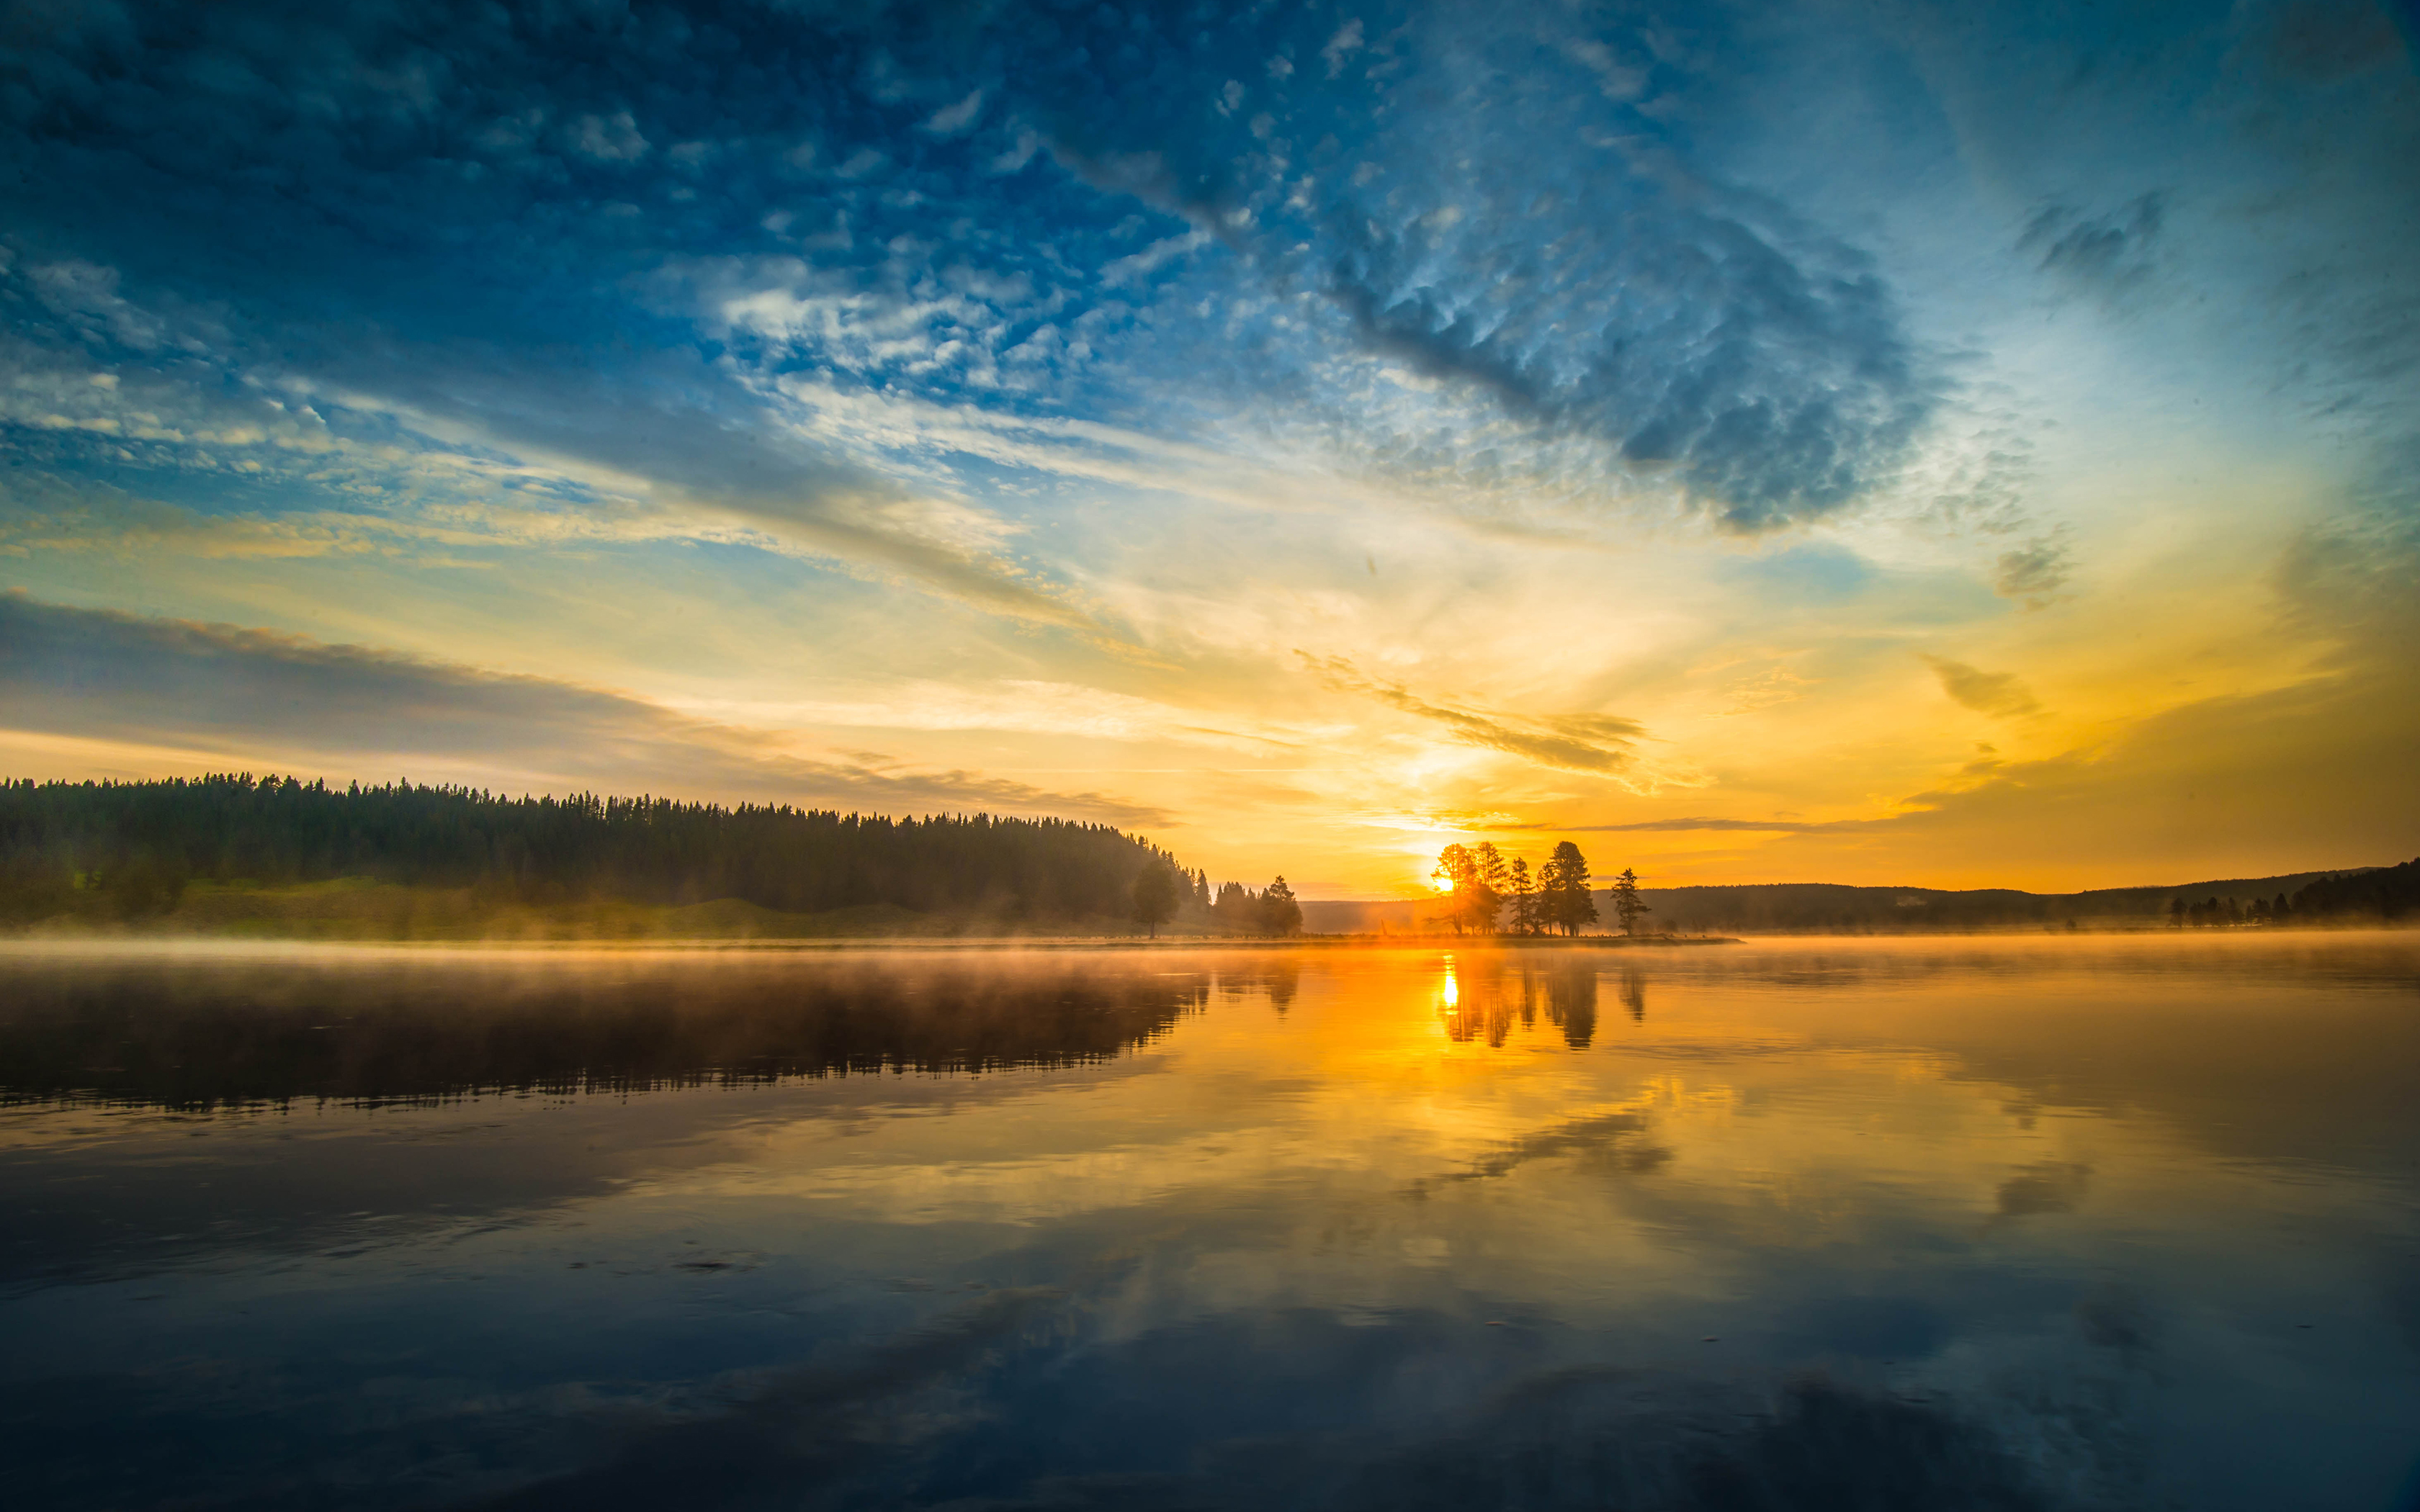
x,y
262,697
945,204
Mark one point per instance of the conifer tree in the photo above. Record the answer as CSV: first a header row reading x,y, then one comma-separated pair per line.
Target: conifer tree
x,y
1627,905
1564,880
1524,898
1280,913
129,846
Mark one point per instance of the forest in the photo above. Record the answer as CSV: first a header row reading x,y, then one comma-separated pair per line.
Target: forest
x,y
2390,893
2383,894
128,849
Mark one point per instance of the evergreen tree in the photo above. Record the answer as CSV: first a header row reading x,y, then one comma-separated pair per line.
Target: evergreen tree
x,y
1526,919
1564,880
1627,905
126,848
1280,913
1238,908
2386,893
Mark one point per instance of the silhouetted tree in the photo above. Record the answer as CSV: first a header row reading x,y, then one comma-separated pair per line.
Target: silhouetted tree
x,y
1475,903
1564,881
1280,913
128,848
1238,908
1494,875
2386,893
1155,898
1525,917
1627,905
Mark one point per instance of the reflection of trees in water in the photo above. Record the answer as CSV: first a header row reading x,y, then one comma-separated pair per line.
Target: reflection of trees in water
x,y
194,1036
1633,993
1570,1002
1480,997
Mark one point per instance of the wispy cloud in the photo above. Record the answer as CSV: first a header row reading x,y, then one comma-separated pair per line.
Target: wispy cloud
x,y
1600,744
262,697
2034,572
1772,826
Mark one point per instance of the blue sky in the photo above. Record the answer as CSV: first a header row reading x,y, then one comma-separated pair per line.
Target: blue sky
x,y
1948,435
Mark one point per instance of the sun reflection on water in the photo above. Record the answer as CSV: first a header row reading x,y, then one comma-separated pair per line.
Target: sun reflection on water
x,y
1295,1179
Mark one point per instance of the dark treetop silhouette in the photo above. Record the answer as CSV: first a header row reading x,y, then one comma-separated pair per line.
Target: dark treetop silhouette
x,y
127,850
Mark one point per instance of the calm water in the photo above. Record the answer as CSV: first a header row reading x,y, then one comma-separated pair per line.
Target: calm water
x,y
2023,1223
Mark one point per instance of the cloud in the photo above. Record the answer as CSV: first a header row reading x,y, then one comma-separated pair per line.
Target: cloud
x,y
2001,694
2316,41
2034,572
2112,250
459,427
1774,826
609,139
480,184
952,120
1041,707
1600,744
264,698
739,460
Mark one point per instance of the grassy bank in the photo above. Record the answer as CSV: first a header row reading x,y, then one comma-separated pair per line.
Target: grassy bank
x,y
363,909
359,909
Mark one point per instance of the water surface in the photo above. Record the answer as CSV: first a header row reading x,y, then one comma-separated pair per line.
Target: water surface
x,y
1994,1223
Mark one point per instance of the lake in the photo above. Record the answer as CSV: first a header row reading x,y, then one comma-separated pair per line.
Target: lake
x,y
1990,1222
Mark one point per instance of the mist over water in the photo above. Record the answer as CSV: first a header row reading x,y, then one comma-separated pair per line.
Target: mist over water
x,y
1994,1222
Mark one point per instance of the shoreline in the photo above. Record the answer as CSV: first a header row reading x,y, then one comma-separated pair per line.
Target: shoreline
x,y
35,943
904,944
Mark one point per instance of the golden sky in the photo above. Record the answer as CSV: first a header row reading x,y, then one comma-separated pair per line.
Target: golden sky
x,y
1760,448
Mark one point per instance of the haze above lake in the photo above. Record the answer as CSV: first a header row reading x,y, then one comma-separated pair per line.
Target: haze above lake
x,y
1974,1222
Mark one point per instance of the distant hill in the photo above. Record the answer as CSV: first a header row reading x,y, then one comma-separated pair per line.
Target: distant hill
x,y
1824,907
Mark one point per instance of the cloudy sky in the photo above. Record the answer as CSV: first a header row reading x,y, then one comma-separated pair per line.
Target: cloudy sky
x,y
1892,442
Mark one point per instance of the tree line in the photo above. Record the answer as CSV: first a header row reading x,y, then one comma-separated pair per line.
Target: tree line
x,y
129,849
2388,894
1481,883
1167,892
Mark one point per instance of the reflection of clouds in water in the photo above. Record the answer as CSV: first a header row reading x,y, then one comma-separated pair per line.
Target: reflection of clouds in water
x,y
1259,1403
1604,1140
2050,1186
1258,1267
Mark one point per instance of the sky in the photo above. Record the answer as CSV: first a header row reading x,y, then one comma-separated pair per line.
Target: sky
x,y
1896,443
